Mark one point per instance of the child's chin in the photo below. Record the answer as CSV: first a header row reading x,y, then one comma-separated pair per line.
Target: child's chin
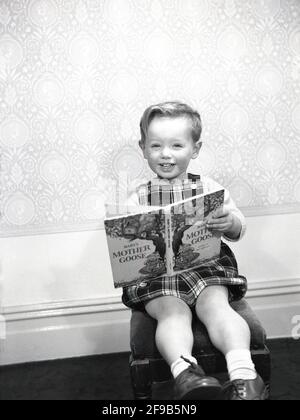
x,y
168,174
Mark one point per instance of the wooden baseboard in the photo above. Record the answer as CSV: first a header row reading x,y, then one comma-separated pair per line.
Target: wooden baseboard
x,y
87,327
277,305
60,330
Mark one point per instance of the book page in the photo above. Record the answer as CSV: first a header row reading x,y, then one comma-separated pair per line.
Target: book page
x,y
193,244
137,247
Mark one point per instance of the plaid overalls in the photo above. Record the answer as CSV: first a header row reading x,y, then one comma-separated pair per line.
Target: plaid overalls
x,y
188,285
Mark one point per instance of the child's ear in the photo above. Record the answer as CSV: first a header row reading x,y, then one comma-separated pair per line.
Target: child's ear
x,y
197,147
142,146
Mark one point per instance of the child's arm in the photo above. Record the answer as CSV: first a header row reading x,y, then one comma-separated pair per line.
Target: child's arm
x,y
229,221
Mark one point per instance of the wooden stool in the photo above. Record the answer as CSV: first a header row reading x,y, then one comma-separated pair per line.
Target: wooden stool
x,y
148,367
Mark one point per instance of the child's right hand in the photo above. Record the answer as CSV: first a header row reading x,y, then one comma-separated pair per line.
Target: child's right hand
x,y
225,222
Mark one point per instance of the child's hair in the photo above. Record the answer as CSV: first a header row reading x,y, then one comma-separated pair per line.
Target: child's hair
x,y
171,109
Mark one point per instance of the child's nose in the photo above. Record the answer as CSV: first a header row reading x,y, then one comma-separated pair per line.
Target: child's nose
x,y
166,152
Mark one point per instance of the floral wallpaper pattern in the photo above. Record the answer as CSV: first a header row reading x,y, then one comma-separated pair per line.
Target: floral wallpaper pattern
x,y
76,75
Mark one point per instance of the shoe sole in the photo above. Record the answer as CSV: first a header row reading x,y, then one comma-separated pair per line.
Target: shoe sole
x,y
203,393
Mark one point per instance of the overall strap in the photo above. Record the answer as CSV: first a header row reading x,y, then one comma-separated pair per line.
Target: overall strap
x,y
193,177
196,181
149,193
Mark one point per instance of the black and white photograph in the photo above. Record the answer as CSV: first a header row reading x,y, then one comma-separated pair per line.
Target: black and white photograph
x,y
149,202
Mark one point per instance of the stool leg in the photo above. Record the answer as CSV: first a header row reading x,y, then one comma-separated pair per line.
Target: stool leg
x,y
141,379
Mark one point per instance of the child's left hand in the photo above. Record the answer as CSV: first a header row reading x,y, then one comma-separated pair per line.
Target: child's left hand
x,y
222,221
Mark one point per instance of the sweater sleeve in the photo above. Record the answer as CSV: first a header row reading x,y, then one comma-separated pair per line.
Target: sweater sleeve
x,y
132,203
210,185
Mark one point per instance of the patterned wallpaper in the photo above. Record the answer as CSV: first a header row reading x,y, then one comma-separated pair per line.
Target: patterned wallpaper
x,y
76,75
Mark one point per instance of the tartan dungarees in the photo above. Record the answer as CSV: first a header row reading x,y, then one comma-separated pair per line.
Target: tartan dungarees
x,y
188,285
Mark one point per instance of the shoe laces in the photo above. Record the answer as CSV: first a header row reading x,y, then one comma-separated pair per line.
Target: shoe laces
x,y
189,361
193,366
237,388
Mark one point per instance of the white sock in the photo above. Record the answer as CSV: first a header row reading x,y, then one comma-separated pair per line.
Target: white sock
x,y
240,365
180,365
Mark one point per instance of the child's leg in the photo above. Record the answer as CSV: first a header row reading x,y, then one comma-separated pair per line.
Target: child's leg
x,y
174,336
227,329
230,333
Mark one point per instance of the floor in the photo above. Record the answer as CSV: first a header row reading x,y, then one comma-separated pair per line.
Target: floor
x,y
106,377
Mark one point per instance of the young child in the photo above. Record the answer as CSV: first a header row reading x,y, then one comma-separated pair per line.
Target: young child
x,y
170,138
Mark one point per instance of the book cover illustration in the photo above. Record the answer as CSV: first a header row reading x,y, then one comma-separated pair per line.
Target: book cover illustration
x,y
164,241
192,243
137,247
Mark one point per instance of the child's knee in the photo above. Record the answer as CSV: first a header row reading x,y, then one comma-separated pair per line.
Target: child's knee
x,y
213,295
212,301
168,307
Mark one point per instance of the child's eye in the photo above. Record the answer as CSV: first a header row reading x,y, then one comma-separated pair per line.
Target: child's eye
x,y
154,146
178,146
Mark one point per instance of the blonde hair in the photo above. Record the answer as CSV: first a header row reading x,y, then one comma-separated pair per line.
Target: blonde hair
x,y
172,110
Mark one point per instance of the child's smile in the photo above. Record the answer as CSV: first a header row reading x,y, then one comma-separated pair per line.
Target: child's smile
x,y
169,146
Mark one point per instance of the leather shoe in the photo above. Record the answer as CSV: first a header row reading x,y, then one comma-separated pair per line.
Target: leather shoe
x,y
193,384
245,390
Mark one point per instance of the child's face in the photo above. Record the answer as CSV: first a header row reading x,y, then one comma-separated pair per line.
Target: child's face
x,y
169,146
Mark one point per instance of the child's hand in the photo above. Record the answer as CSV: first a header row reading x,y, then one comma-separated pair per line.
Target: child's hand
x,y
224,221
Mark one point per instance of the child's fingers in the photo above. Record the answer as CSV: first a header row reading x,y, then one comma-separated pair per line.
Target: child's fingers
x,y
221,212
217,213
218,227
218,221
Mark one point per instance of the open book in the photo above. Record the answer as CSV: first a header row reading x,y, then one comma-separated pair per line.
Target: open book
x,y
163,241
